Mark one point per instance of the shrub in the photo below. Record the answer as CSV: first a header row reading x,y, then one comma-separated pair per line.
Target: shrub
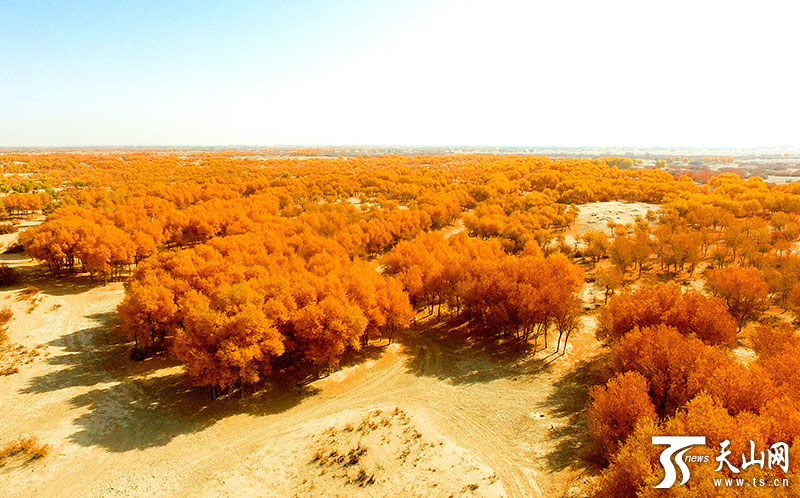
x,y
30,445
9,370
15,248
28,292
5,316
8,275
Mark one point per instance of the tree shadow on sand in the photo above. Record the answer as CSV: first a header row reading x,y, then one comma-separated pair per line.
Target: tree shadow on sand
x,y
84,354
449,351
64,286
47,285
136,405
40,277
145,412
570,399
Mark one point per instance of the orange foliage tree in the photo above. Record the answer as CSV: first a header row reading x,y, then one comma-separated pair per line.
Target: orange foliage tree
x,y
616,409
690,312
742,288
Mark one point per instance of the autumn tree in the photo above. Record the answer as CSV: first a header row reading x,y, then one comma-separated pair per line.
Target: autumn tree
x,y
771,340
394,306
149,312
562,300
610,280
597,245
230,342
664,357
616,409
794,298
690,312
621,252
742,288
641,246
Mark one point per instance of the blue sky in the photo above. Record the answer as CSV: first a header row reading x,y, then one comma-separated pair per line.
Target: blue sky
x,y
413,72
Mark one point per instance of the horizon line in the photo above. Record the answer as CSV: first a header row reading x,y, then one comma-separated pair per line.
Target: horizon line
x,y
389,145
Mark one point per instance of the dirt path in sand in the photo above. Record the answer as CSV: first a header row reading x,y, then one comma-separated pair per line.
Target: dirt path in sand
x,y
134,429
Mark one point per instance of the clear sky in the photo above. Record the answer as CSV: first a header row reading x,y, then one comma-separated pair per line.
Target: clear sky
x,y
413,72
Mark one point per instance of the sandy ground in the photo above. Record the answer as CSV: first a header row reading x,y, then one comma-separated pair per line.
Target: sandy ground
x,y
450,230
382,452
596,215
6,239
466,417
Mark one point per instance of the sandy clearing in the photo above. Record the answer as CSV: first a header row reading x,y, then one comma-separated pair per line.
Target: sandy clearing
x,y
453,229
596,215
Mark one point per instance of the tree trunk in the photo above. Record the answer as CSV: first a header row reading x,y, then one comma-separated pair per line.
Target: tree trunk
x,y
566,338
545,333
